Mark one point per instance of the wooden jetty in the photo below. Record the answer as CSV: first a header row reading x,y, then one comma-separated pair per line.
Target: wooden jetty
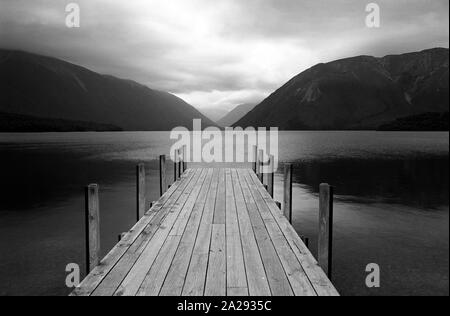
x,y
214,232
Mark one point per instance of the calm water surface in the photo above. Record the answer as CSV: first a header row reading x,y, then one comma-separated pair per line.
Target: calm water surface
x,y
392,203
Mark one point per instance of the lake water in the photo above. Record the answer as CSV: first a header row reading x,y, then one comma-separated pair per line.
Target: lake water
x,y
392,203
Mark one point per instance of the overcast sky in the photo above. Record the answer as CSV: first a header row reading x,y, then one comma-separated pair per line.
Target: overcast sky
x,y
219,53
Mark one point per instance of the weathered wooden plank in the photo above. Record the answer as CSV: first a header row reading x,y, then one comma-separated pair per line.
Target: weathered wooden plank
x,y
237,292
219,212
155,278
91,282
297,278
236,275
216,279
256,275
131,284
277,278
322,285
173,284
194,284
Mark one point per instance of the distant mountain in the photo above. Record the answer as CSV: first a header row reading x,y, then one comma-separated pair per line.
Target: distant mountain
x,y
235,115
32,124
214,113
51,88
423,122
358,93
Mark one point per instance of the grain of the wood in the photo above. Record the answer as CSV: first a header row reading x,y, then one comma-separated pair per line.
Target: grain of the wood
x,y
92,216
325,251
237,292
287,194
140,192
131,284
155,277
162,175
317,277
294,271
219,212
92,281
276,276
173,284
236,274
270,176
256,275
194,284
112,280
216,279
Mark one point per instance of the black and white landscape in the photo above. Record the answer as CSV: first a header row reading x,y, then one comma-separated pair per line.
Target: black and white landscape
x,y
359,91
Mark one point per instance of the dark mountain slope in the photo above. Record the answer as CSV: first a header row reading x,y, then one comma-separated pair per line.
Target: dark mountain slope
x,y
17,123
48,87
235,115
357,93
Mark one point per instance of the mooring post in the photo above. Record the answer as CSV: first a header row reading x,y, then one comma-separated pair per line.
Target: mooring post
x,y
255,157
180,163
175,166
92,216
162,175
325,253
288,192
184,158
140,191
270,176
261,165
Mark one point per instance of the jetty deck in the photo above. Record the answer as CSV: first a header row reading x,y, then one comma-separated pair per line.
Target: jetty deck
x,y
215,232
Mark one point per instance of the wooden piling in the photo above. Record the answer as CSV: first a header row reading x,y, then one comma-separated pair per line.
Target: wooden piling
x,y
175,165
288,192
162,175
185,153
180,163
92,216
270,176
325,252
140,191
261,165
255,157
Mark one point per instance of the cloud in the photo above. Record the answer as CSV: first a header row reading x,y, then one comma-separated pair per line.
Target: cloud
x,y
218,53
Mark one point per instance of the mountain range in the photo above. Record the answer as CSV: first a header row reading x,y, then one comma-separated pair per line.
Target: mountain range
x,y
49,88
358,93
236,114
